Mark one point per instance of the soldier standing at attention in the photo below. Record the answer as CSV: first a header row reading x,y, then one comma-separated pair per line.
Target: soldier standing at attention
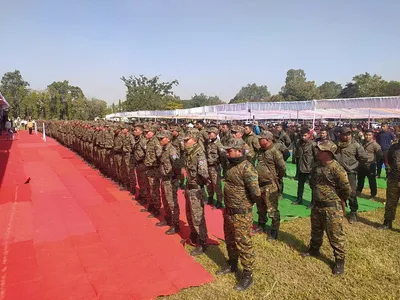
x,y
108,145
126,156
252,141
368,169
393,184
350,154
177,142
241,192
216,155
170,170
197,177
118,143
203,138
271,169
152,163
139,154
330,189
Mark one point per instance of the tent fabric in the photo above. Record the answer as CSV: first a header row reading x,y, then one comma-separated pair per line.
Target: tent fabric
x,y
3,102
352,108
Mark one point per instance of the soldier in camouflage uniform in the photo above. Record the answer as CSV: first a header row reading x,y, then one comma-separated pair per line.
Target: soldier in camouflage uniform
x,y
216,156
139,154
271,169
108,150
126,156
252,141
152,163
170,170
117,150
197,177
203,137
330,190
393,184
356,134
177,142
241,192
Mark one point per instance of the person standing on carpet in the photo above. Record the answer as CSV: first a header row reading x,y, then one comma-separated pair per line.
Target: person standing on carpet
x,y
350,154
152,163
368,169
177,142
197,178
305,156
30,126
216,155
241,192
170,171
139,154
331,188
393,184
271,169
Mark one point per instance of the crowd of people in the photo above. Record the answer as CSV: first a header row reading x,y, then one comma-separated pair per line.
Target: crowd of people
x,y
158,158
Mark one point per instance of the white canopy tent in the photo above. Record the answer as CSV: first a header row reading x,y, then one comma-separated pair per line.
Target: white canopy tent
x,y
353,108
3,103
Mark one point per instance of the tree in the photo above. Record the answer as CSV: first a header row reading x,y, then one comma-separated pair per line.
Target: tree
x,y
349,91
365,85
393,88
330,90
251,93
297,88
14,88
204,100
147,93
97,108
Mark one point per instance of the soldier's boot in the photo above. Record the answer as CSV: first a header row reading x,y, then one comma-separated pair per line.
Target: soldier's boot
x,y
259,229
245,281
231,267
353,217
150,209
338,268
200,249
387,224
162,223
133,191
210,201
219,205
311,252
155,213
173,230
273,235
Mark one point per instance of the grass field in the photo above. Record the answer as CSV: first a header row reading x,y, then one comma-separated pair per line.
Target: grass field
x,y
371,270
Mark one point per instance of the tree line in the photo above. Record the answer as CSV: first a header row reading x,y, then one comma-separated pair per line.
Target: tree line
x,y
64,102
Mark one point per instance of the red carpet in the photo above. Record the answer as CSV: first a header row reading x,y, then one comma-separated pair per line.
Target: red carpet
x,y
71,234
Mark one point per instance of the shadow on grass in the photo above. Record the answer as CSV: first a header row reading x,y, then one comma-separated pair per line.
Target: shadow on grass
x,y
294,199
368,222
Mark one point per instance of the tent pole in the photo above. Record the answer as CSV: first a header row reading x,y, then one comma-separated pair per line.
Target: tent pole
x,y
297,119
369,118
313,120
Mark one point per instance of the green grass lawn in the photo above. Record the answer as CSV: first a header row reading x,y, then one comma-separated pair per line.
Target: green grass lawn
x,y
371,271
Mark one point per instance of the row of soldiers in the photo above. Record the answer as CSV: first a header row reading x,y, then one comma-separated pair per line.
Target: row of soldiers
x,y
159,152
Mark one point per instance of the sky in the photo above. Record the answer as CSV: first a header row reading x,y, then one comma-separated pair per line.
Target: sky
x,y
212,47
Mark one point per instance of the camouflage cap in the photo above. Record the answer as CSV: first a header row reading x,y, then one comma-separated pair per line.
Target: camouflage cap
x,y
327,146
234,144
237,128
164,134
192,134
353,125
140,125
266,135
345,130
148,128
174,128
213,129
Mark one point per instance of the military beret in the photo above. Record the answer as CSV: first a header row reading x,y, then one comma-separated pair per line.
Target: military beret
x,y
235,144
266,135
345,130
164,134
237,128
213,129
327,146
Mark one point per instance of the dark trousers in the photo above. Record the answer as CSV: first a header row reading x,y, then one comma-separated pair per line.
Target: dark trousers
x,y
380,163
368,171
303,177
30,130
353,203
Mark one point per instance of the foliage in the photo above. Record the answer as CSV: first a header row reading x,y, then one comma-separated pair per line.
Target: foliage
x,y
14,89
297,88
367,85
252,93
330,90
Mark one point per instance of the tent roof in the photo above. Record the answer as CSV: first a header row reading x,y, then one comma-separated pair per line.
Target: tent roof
x,y
353,108
3,102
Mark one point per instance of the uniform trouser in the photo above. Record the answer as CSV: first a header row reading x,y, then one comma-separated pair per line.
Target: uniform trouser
x,y
303,177
353,203
125,178
381,162
109,162
330,220
117,166
269,203
368,171
195,215
215,186
132,174
169,188
142,180
392,198
237,232
153,187
102,159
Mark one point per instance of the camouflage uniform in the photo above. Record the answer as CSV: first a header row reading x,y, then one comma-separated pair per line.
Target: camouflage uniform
x,y
252,141
241,191
126,155
139,154
169,169
271,169
393,183
118,144
177,142
330,188
152,163
108,151
197,177
215,154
